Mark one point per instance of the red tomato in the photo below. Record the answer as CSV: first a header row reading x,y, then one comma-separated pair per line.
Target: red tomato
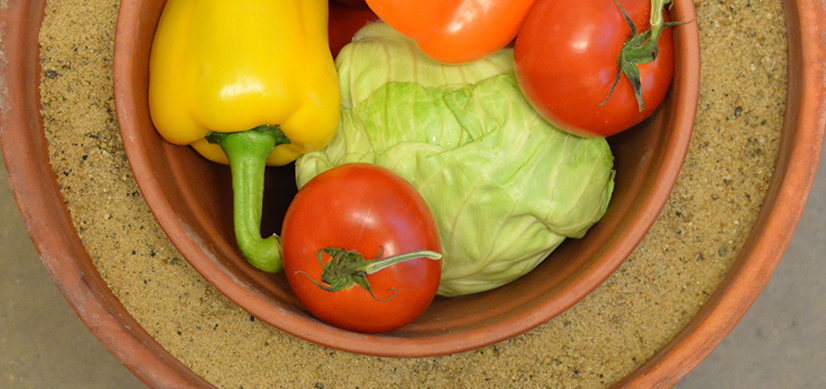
x,y
375,212
353,3
344,22
566,63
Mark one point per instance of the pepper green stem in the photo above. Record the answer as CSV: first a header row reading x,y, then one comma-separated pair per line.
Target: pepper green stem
x,y
247,152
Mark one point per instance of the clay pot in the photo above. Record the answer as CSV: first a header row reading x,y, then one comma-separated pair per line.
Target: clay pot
x,y
581,264
185,192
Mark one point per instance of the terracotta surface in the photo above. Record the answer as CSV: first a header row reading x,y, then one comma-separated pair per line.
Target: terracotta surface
x,y
805,121
185,192
38,196
64,256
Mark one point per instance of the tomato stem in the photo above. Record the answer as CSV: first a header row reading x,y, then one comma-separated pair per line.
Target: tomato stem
x,y
639,48
376,264
657,25
247,152
348,268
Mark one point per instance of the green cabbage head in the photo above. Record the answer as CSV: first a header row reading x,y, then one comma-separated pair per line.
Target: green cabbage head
x,y
505,186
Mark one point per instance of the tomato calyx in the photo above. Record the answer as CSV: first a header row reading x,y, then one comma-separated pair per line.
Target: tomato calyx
x,y
348,268
640,48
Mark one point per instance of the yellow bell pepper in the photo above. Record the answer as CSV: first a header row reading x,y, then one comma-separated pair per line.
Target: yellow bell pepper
x,y
247,83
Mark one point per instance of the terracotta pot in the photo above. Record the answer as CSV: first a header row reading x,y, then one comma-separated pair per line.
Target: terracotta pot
x,y
184,191
27,160
38,196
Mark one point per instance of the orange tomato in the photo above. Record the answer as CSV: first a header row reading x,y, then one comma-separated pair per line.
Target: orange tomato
x,y
455,31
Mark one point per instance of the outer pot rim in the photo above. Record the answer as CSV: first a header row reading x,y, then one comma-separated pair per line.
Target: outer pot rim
x,y
47,219
795,168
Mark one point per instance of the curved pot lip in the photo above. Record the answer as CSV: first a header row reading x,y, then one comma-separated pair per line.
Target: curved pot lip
x,y
70,266
47,219
801,143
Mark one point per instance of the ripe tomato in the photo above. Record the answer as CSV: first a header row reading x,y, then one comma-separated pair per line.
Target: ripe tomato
x,y
566,63
353,3
345,21
375,212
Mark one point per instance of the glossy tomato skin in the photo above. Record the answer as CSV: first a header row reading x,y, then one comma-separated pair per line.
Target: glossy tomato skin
x,y
365,208
566,62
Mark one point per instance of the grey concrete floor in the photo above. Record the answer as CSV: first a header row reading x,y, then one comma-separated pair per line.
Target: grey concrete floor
x,y
779,344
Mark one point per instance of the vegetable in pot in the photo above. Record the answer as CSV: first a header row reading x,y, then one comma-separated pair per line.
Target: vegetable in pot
x,y
455,31
596,68
361,249
504,186
248,83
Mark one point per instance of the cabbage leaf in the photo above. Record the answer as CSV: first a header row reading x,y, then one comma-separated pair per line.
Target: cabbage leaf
x,y
504,185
